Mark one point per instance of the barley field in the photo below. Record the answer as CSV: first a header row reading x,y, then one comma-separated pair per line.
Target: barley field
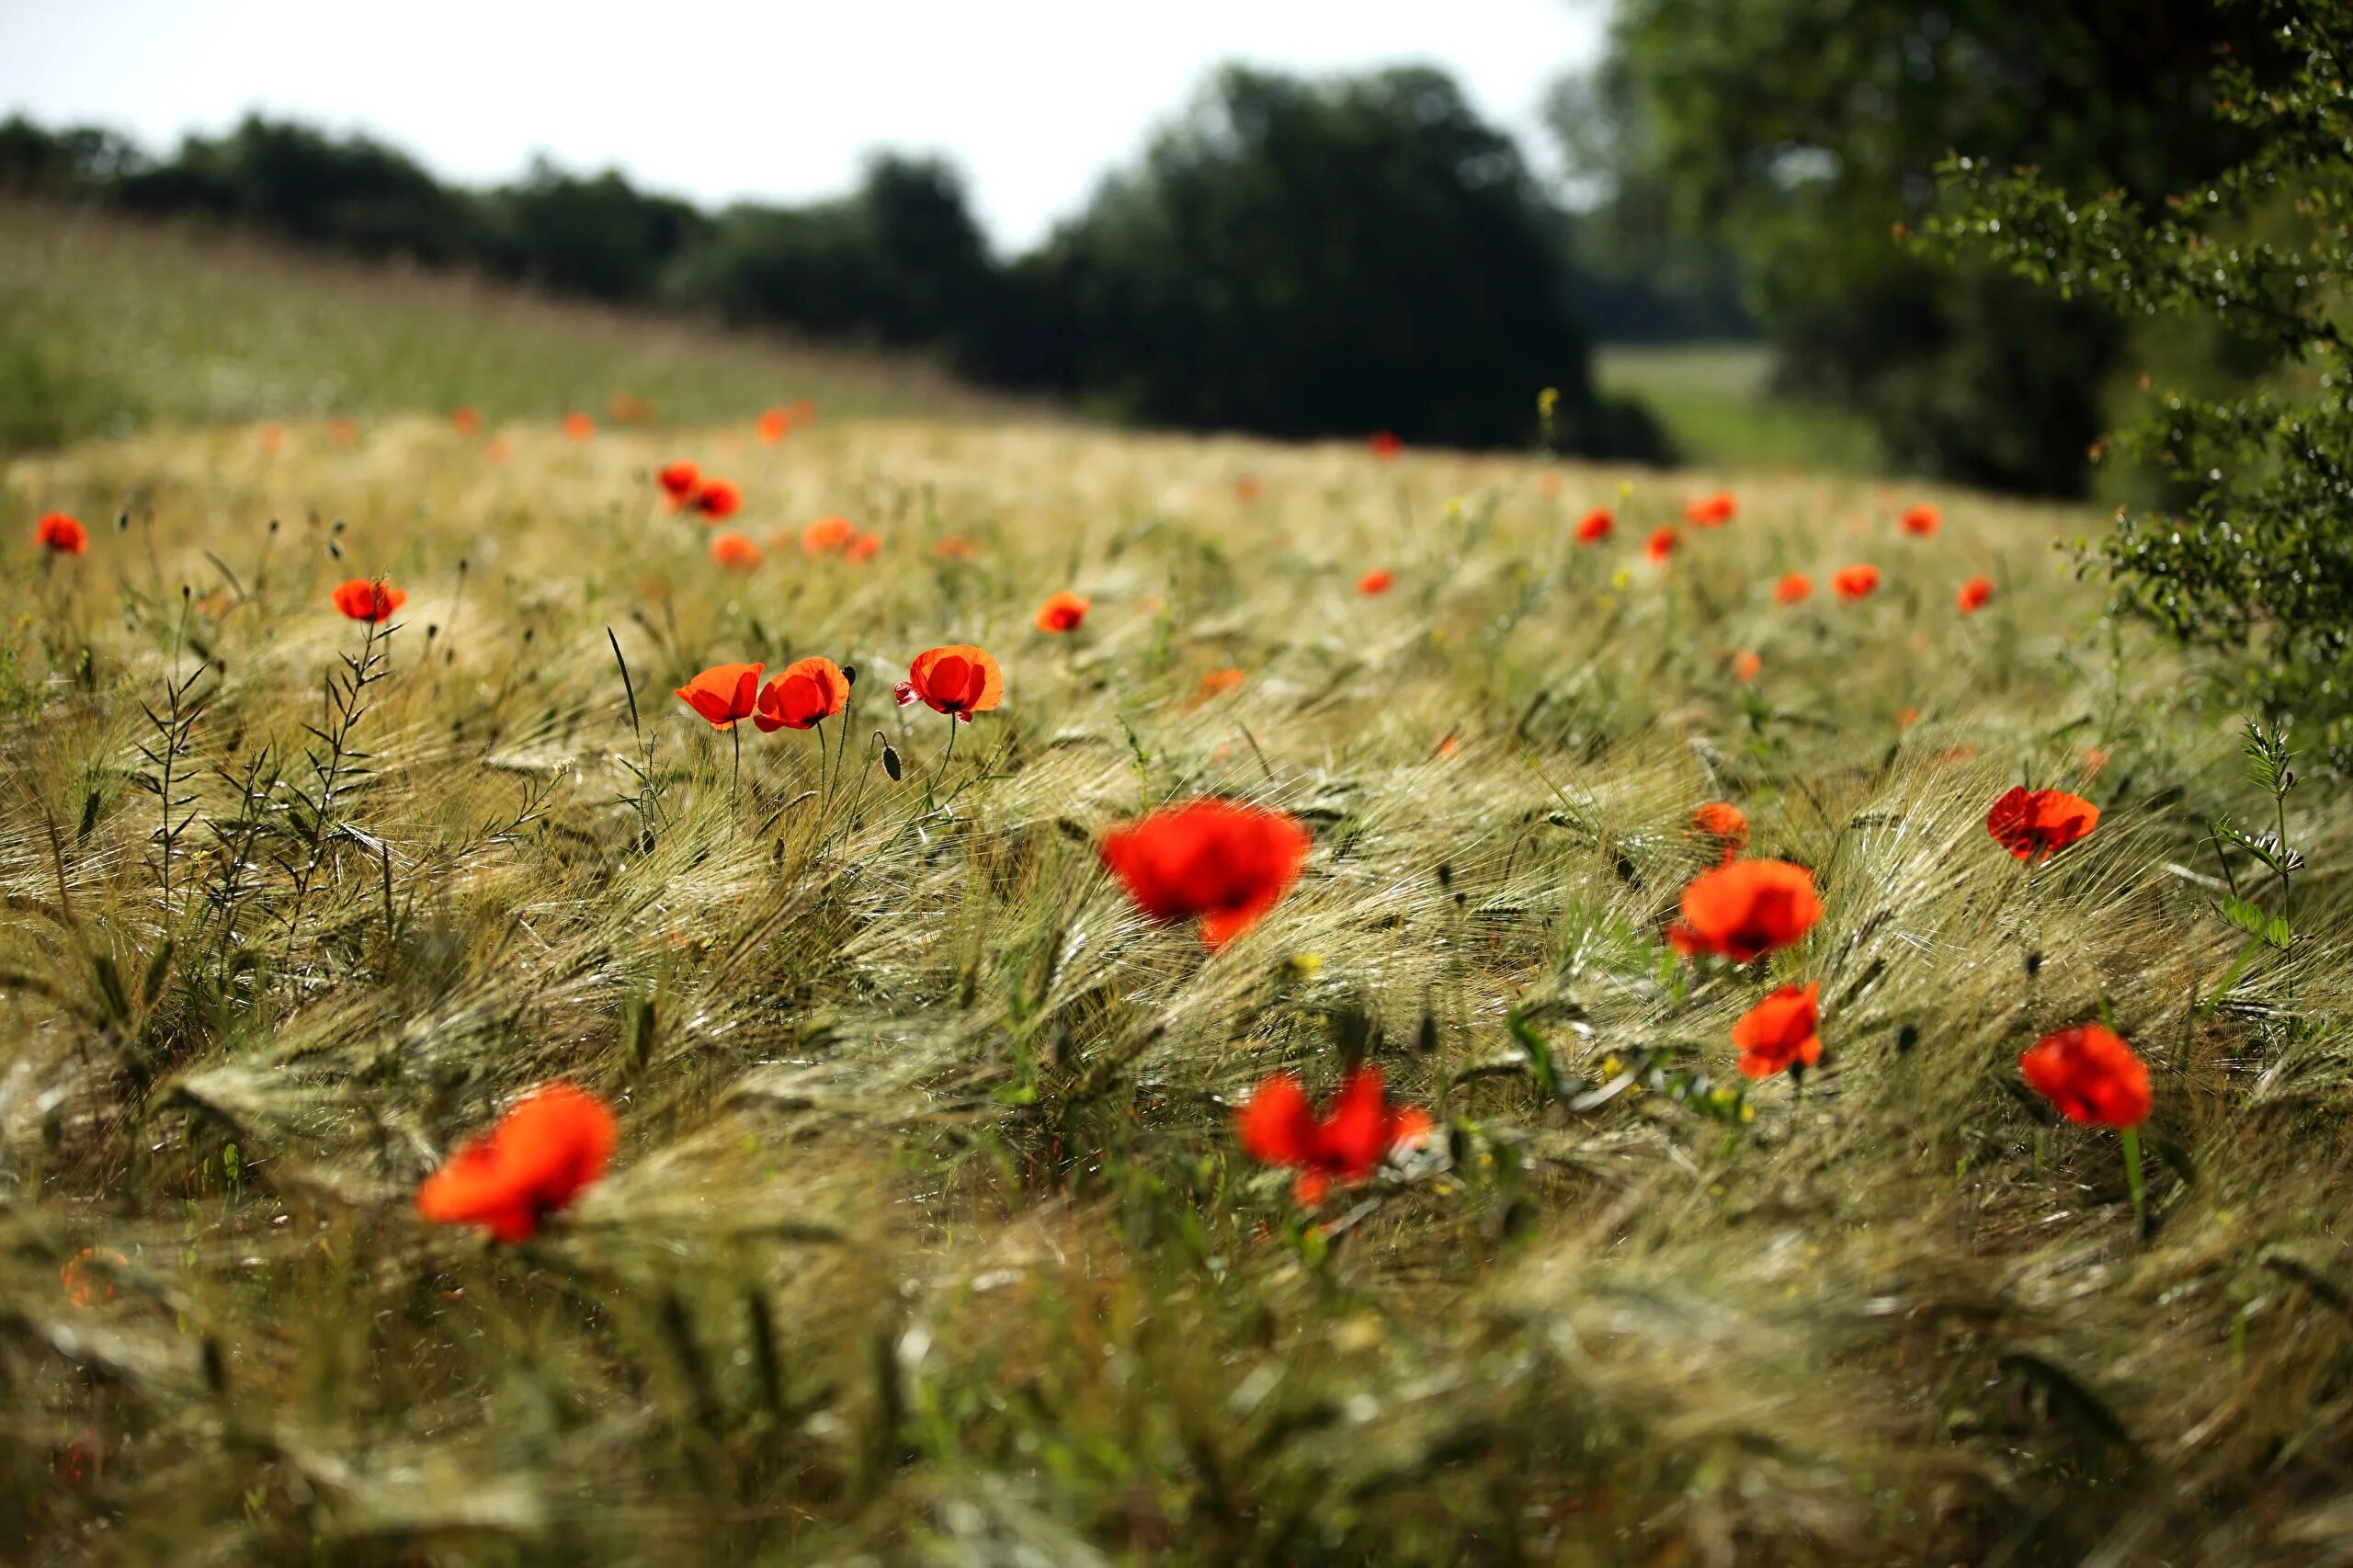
x,y
929,1234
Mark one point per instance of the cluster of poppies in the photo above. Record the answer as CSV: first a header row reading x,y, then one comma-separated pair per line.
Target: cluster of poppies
x,y
1743,910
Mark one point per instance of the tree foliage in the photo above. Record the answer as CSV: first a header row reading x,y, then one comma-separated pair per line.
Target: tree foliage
x,y
1306,259
2259,556
1803,132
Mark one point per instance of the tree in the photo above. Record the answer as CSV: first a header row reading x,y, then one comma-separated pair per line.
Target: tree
x,y
1305,259
2258,559
1804,131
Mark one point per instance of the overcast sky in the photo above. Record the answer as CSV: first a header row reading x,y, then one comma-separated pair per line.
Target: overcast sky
x,y
1033,98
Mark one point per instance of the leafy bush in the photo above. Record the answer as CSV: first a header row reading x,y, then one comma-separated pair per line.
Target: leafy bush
x,y
2258,556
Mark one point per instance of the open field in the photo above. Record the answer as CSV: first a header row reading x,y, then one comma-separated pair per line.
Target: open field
x,y
108,325
1711,400
929,1238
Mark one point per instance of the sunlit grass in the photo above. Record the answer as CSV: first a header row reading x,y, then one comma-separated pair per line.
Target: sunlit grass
x,y
927,1238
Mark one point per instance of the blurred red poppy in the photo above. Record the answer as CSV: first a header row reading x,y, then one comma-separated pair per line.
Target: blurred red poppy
x,y
498,450
1922,521
371,601
1973,594
1596,526
772,425
1781,1032
1279,1127
272,437
862,547
1745,665
2090,1075
1745,909
959,679
1794,588
341,432
724,693
1856,581
579,426
61,535
955,547
465,421
718,499
802,694
541,1156
1063,612
1721,819
2035,824
1247,489
1215,683
735,552
802,411
1662,545
678,482
1223,862
826,533
1386,444
1380,580
1710,511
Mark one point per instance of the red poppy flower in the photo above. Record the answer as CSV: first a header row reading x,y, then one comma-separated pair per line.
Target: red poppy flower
x,y
342,431
465,421
1216,683
1279,1127
1744,909
957,679
1380,580
718,499
802,695
1781,1032
802,412
2090,1075
773,424
1856,581
826,533
862,547
1973,594
1063,612
678,482
542,1155
1247,489
1907,717
724,693
579,426
87,1276
499,449
1745,665
1922,521
1226,862
272,437
362,599
1721,819
735,552
61,535
1386,444
2035,824
1710,511
1596,526
1794,588
1662,545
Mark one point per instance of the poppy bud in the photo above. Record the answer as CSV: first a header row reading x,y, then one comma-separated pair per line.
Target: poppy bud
x,y
1444,877
850,674
890,762
1425,1040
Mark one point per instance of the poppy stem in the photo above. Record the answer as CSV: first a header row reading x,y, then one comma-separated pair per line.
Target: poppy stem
x,y
2131,1137
947,757
735,783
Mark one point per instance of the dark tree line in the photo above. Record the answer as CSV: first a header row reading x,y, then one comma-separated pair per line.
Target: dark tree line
x,y
1289,257
1797,142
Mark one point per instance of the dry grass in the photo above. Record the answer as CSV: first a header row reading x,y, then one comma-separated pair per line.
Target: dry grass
x,y
929,1240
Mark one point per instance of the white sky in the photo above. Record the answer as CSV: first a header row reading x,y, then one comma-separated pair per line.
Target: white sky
x,y
1034,99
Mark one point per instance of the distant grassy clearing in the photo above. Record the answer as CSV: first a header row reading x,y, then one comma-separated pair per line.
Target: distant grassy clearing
x,y
1714,401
